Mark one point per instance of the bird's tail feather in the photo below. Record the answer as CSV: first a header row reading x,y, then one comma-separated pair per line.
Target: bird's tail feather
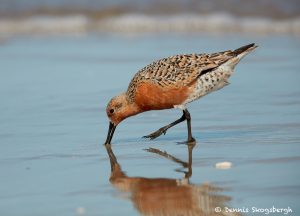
x,y
239,53
246,48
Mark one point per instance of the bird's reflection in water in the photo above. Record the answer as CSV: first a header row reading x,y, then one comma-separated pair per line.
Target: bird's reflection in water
x,y
167,196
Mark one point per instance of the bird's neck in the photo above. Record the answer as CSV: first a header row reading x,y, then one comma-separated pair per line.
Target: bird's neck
x,y
132,109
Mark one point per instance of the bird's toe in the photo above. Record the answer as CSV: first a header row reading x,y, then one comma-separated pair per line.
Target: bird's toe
x,y
155,134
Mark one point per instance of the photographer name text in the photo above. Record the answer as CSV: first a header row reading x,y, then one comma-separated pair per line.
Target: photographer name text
x,y
253,209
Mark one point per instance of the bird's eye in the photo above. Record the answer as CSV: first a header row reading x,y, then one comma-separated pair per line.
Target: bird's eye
x,y
111,111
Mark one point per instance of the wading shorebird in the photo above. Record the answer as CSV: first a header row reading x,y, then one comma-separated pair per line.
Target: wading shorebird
x,y
174,82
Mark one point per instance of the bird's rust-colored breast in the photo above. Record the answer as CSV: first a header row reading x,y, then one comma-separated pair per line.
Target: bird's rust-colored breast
x,y
150,96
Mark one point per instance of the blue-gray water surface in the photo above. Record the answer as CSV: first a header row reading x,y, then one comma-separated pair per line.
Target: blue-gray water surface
x,y
53,124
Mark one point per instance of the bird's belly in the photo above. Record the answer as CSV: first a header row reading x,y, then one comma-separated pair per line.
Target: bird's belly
x,y
150,96
208,83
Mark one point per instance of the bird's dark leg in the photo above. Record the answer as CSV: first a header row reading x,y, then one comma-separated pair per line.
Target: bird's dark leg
x,y
185,116
164,129
189,126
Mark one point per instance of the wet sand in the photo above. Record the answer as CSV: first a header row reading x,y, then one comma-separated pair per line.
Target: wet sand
x,y
53,94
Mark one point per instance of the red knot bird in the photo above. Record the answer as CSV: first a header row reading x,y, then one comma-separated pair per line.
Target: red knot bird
x,y
173,82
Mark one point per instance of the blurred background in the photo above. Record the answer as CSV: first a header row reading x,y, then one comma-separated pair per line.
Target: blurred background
x,y
61,62
79,16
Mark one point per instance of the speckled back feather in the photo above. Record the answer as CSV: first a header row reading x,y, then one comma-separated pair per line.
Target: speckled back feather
x,y
177,71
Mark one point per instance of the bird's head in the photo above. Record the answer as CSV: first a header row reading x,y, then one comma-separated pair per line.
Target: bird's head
x,y
118,109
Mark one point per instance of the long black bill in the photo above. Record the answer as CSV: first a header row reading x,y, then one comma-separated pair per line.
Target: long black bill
x,y
111,130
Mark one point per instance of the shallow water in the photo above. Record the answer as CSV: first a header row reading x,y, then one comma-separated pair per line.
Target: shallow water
x,y
54,92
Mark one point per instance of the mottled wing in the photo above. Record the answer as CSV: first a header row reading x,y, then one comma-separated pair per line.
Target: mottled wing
x,y
177,71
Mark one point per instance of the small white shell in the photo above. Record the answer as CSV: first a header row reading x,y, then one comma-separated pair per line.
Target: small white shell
x,y
223,165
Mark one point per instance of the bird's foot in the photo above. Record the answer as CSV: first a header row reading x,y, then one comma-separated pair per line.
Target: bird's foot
x,y
190,141
156,133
